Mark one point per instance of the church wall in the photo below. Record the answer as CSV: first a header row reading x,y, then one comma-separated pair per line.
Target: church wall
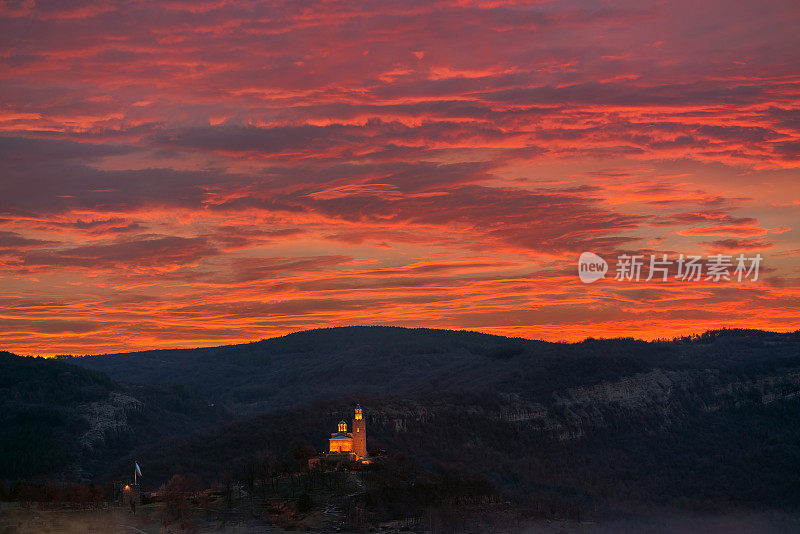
x,y
341,445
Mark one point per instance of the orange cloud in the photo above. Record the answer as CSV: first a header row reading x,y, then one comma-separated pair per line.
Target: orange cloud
x,y
743,231
221,172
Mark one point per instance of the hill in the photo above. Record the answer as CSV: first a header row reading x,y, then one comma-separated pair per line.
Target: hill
x,y
60,419
705,422
702,439
315,364
324,363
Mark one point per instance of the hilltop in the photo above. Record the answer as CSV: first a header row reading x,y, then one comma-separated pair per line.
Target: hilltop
x,y
322,363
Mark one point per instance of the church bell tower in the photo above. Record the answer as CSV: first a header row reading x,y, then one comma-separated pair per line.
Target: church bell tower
x,y
359,433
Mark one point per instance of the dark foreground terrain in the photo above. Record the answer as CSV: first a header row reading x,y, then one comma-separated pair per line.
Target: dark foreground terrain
x,y
469,427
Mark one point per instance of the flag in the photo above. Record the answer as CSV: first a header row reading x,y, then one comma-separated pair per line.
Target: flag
x,y
138,469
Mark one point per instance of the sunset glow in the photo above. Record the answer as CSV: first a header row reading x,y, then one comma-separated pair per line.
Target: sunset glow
x,y
197,173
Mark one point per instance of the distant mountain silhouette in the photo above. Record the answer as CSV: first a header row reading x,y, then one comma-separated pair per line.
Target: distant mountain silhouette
x,y
323,363
319,363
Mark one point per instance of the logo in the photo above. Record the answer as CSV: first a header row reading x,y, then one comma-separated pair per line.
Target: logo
x,y
591,267
686,268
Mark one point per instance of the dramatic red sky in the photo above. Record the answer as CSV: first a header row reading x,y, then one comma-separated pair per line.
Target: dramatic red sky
x,y
189,173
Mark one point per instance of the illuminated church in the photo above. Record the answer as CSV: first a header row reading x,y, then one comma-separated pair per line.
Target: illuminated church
x,y
352,444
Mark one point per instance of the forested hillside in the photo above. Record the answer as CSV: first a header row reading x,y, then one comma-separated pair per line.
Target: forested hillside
x,y
707,421
667,438
39,420
324,363
64,420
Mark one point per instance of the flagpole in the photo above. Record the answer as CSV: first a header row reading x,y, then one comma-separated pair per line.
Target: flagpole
x,y
134,473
